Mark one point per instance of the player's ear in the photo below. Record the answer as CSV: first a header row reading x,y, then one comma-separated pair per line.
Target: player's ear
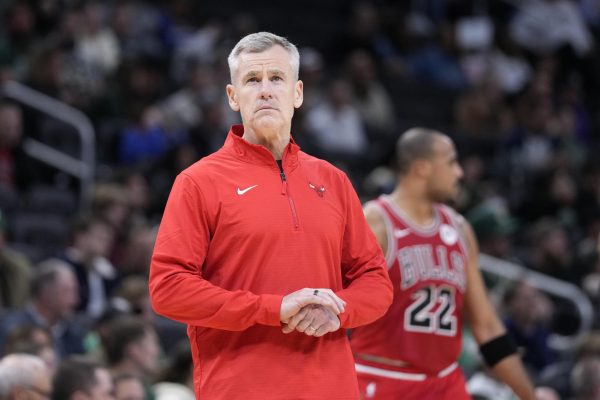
x,y
232,98
422,167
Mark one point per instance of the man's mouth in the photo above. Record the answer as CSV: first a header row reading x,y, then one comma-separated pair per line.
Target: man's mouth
x,y
262,108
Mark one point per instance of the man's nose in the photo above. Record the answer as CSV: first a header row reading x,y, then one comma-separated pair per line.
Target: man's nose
x,y
460,172
265,89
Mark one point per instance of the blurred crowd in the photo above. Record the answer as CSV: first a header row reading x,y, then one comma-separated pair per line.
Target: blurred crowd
x,y
516,84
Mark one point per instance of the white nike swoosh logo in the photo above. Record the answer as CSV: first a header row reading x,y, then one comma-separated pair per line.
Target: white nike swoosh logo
x,y
241,192
400,233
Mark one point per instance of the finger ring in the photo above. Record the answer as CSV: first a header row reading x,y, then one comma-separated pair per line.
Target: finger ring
x,y
316,292
311,328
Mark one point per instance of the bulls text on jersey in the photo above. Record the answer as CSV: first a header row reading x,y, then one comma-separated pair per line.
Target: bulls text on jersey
x,y
418,263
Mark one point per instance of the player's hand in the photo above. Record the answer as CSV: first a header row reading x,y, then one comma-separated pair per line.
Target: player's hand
x,y
294,302
313,320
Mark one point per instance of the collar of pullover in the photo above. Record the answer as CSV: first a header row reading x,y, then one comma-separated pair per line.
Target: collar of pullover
x,y
257,154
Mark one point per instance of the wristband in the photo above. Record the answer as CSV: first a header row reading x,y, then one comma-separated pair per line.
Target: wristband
x,y
496,349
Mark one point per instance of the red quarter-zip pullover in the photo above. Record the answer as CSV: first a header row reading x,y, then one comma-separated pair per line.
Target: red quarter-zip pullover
x,y
236,236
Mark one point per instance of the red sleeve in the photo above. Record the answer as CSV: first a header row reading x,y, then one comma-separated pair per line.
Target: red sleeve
x,y
368,290
177,288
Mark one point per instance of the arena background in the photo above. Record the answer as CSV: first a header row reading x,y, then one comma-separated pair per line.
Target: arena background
x,y
103,103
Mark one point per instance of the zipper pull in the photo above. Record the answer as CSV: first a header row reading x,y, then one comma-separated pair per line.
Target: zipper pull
x,y
283,183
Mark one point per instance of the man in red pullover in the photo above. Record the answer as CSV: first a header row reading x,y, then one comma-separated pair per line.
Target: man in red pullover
x,y
258,233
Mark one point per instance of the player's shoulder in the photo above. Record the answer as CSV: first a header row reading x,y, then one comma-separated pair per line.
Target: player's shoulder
x,y
374,205
375,213
454,215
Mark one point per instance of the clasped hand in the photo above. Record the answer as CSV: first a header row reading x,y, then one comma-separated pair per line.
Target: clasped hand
x,y
313,312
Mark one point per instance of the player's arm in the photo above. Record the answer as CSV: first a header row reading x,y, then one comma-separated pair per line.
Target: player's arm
x,y
496,347
377,225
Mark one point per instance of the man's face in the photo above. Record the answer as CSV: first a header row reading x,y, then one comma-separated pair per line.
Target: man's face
x,y
265,91
40,389
145,352
129,389
445,172
98,240
63,296
527,306
10,126
103,390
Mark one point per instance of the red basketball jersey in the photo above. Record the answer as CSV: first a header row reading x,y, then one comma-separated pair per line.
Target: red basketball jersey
x,y
421,332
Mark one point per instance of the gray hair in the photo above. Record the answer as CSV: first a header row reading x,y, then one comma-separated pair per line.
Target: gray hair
x,y
46,273
585,377
19,370
259,42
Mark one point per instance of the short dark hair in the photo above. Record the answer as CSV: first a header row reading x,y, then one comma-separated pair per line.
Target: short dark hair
x,y
120,333
180,364
21,339
8,103
74,374
83,223
414,144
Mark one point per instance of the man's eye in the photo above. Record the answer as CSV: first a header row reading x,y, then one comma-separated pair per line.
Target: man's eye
x,y
253,79
276,78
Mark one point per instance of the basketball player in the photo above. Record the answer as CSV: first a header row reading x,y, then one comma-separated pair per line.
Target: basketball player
x,y
431,252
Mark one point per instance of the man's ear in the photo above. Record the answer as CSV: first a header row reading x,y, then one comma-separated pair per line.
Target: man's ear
x,y
298,94
232,98
422,167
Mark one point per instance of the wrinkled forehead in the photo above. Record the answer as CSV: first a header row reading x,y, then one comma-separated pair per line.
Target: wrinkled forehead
x,y
275,58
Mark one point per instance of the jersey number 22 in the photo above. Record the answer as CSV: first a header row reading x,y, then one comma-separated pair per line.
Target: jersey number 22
x,y
432,311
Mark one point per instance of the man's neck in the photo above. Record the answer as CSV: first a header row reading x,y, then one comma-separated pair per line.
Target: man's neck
x,y
413,201
275,142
